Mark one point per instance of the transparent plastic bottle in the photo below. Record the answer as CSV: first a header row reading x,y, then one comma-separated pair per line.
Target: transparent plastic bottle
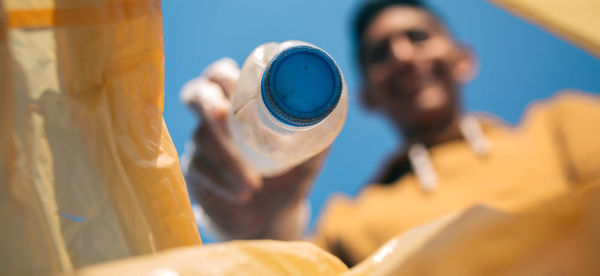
x,y
289,104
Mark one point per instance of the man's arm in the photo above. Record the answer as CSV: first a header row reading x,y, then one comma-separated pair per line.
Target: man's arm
x,y
576,118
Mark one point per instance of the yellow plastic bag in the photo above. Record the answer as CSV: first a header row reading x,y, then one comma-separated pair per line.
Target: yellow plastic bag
x,y
576,20
261,257
88,172
558,237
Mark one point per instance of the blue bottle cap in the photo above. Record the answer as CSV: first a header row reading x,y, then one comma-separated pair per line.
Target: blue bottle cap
x,y
301,85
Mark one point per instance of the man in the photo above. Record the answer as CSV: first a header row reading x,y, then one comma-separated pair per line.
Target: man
x,y
413,70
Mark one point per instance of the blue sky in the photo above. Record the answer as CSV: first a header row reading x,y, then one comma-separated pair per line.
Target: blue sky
x,y
518,63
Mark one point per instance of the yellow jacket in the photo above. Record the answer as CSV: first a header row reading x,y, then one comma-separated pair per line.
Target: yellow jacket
x,y
555,149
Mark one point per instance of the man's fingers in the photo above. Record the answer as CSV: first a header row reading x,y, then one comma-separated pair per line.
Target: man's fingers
x,y
219,152
206,98
224,72
206,175
217,163
208,94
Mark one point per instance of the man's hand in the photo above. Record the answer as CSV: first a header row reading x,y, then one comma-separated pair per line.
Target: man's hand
x,y
240,202
216,163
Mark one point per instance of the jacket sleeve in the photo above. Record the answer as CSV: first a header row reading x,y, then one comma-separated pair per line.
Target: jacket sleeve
x,y
576,118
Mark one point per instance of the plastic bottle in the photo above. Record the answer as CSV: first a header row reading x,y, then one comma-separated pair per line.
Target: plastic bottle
x,y
288,105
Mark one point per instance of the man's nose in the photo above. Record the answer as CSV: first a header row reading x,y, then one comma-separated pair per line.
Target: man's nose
x,y
403,50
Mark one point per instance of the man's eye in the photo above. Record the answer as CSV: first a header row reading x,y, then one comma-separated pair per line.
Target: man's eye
x,y
417,35
379,52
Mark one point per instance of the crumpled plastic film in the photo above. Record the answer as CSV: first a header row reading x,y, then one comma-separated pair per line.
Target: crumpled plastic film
x,y
560,237
575,20
262,257
88,171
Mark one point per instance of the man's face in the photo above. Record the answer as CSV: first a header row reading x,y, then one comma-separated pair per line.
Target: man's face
x,y
413,68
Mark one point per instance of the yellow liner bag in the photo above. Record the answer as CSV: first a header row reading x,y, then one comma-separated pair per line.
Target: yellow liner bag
x,y
88,171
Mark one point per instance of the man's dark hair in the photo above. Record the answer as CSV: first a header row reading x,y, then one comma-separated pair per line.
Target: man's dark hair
x,y
371,8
